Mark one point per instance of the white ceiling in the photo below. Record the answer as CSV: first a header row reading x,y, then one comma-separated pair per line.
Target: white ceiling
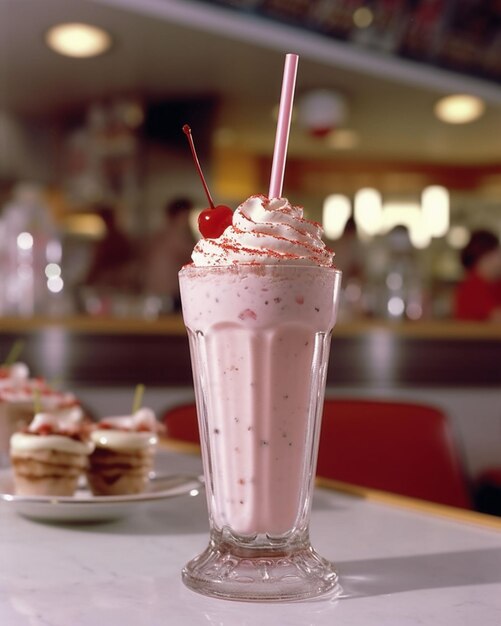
x,y
176,47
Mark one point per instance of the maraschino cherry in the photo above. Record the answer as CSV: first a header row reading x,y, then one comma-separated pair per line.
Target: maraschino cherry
x,y
213,221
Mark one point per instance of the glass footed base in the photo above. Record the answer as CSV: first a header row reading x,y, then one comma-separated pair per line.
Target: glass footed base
x,y
263,575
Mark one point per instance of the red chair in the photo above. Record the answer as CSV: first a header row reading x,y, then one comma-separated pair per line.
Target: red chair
x,y
399,447
181,423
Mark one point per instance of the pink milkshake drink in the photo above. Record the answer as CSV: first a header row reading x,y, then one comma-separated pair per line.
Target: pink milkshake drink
x,y
259,303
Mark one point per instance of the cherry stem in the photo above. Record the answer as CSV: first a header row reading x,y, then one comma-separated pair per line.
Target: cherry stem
x,y
138,398
187,132
37,401
14,353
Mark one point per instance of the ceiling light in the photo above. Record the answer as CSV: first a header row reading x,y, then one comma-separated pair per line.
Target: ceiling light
x,y
406,214
368,210
322,110
435,206
336,211
78,40
363,17
459,109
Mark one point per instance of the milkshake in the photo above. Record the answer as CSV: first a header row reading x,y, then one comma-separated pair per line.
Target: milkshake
x,y
259,303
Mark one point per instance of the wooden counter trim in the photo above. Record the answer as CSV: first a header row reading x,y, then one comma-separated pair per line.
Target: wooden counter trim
x,y
173,325
371,355
169,325
419,506
177,445
421,330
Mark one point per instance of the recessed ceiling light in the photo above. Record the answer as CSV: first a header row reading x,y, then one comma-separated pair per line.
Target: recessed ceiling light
x,y
459,109
78,40
363,17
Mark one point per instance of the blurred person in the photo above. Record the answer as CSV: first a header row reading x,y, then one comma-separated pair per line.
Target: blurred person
x,y
349,252
167,251
112,257
350,259
478,296
396,276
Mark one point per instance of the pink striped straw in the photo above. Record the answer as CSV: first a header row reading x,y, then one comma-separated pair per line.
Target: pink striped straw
x,y
283,126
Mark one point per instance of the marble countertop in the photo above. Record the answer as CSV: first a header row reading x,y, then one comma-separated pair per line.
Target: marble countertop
x,y
398,566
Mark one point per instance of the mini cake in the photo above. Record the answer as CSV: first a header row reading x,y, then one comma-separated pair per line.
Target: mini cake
x,y
15,372
17,396
50,455
123,455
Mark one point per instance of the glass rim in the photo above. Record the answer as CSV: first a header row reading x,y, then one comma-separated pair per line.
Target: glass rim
x,y
238,266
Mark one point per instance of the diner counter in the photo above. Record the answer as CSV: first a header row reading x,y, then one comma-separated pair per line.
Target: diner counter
x,y
87,351
400,562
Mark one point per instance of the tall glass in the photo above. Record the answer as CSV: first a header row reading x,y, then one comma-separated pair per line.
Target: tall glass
x,y
259,340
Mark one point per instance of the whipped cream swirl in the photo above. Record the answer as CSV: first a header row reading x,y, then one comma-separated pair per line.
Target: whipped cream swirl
x,y
142,420
64,431
68,422
16,373
127,432
266,232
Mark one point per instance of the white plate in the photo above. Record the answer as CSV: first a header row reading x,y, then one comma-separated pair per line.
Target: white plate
x,y
84,507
